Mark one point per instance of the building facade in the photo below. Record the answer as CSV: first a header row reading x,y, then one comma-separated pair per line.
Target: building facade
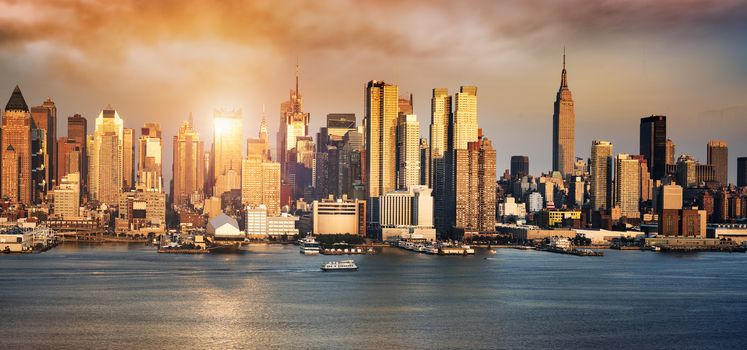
x,y
563,131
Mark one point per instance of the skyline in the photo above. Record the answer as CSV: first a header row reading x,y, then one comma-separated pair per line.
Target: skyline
x,y
627,78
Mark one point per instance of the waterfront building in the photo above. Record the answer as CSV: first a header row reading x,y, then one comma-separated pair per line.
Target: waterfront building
x,y
475,183
338,216
128,159
15,139
627,185
226,152
408,214
441,113
67,196
563,131
601,175
224,228
150,168
188,167
141,210
380,120
519,166
653,144
408,151
256,221
718,157
106,157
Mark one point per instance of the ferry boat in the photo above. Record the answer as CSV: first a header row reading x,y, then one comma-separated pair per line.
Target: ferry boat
x,y
344,265
308,246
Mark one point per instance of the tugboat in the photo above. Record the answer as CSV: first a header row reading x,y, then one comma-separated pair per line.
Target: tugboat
x,y
308,246
344,265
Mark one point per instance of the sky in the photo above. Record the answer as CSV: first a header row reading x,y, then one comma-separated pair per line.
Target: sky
x,y
161,60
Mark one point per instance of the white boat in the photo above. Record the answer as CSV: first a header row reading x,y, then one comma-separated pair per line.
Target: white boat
x,y
308,246
344,265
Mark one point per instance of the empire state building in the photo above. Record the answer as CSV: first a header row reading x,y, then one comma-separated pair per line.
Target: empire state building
x,y
563,120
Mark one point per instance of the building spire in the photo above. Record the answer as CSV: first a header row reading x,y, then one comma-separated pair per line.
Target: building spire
x,y
297,69
564,75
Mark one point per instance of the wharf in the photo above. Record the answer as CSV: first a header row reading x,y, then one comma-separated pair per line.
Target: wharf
x,y
577,252
184,251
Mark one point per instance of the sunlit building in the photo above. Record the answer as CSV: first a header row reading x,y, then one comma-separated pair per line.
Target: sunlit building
x,y
563,128
106,157
128,159
408,151
601,175
260,184
718,157
627,185
188,167
150,168
227,154
17,186
380,120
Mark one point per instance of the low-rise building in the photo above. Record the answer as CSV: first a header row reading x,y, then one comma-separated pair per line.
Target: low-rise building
x,y
339,216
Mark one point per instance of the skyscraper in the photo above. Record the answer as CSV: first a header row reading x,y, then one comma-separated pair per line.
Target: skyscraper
x,y
380,120
627,185
260,145
77,130
16,149
293,123
260,184
519,166
718,156
742,171
425,163
671,150
45,119
106,157
150,168
475,182
128,159
440,143
188,168
69,158
653,143
464,124
408,151
563,127
601,174
227,154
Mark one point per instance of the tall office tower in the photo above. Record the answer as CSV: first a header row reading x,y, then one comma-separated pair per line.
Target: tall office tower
x,y
563,127
742,171
440,143
226,157
670,152
128,159
106,157
260,145
519,166
601,174
718,156
465,117
69,158
293,123
627,185
77,130
475,180
408,151
45,119
150,168
380,121
440,114
425,163
405,105
646,184
654,144
260,184
188,168
16,150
